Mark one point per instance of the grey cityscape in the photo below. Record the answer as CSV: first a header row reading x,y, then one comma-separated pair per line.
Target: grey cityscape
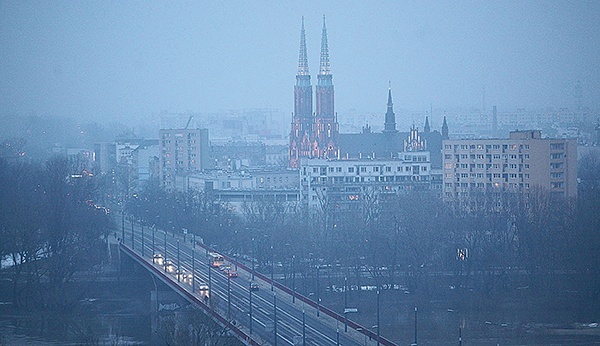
x,y
300,173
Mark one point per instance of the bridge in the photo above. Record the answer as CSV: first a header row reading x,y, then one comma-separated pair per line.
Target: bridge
x,y
253,308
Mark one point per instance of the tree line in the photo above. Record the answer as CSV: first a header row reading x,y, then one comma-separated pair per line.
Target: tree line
x,y
51,227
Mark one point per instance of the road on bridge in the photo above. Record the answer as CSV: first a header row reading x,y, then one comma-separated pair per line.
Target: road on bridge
x,y
267,314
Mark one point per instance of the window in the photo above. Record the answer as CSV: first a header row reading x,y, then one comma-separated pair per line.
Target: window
x,y
375,169
556,156
448,156
388,169
557,146
557,165
557,175
363,169
350,169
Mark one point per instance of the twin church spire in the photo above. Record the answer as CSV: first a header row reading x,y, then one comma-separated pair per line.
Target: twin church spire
x,y
313,134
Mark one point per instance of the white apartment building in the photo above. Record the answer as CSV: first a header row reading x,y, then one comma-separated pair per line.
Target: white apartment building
x,y
345,182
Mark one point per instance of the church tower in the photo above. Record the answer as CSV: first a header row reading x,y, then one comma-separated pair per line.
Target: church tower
x,y
390,117
302,119
326,128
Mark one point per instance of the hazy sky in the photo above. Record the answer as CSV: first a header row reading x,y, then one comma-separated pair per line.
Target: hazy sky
x,y
111,59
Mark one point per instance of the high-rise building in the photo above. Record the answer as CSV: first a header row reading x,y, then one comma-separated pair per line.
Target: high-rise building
x,y
313,135
181,151
516,164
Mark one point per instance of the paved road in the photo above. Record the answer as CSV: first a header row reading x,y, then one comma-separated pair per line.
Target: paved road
x,y
295,322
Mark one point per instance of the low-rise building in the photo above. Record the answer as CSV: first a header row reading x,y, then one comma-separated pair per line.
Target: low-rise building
x,y
347,182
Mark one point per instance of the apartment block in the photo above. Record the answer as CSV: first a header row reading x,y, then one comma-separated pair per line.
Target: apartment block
x,y
181,151
345,182
518,163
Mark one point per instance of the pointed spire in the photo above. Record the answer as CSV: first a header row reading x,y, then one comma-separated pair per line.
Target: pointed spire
x,y
426,128
303,58
325,67
445,129
390,117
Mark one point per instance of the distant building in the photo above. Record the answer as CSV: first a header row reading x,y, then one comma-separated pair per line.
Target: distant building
x,y
517,164
391,143
237,188
181,151
345,183
234,155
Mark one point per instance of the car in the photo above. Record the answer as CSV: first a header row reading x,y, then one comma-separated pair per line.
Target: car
x,y
182,276
232,273
203,289
254,286
225,268
169,266
158,259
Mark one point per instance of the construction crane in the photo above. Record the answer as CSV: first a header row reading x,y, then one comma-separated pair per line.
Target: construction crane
x,y
188,123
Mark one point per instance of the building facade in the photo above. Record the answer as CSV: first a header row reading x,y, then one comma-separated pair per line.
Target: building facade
x,y
313,134
345,184
181,151
517,164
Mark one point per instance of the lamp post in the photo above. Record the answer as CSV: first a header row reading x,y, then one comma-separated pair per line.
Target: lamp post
x,y
250,290
153,230
143,240
252,257
193,270
272,267
275,318
345,304
303,328
122,225
165,259
293,278
178,264
318,297
415,343
378,329
228,296
132,244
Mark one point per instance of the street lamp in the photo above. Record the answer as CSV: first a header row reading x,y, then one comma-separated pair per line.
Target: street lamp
x,y
252,257
275,318
272,267
378,329
293,278
345,304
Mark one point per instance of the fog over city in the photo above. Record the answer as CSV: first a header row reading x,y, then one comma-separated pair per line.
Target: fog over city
x,y
127,60
300,173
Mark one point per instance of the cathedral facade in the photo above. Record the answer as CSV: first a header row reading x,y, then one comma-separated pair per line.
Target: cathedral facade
x,y
313,134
